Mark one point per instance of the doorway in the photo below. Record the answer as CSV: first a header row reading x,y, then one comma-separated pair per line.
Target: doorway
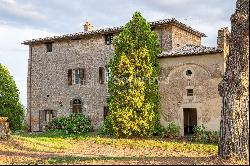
x,y
190,120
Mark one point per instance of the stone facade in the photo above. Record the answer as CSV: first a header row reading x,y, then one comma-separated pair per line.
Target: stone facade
x,y
48,87
207,71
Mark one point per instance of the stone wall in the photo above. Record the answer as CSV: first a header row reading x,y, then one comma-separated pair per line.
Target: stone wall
x,y
49,78
181,38
207,71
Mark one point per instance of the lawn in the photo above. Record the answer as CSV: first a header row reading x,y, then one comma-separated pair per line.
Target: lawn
x,y
56,148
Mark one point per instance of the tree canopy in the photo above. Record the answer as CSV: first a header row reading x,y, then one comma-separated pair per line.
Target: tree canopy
x,y
133,87
10,105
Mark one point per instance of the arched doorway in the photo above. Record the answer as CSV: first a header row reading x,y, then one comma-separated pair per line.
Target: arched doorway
x,y
77,106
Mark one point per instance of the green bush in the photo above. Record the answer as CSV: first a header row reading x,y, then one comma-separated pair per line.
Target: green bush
x,y
159,130
172,130
10,105
73,124
202,135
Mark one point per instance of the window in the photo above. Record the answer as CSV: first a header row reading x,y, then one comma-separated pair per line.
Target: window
x,y
190,92
189,72
49,47
107,74
101,75
108,39
77,106
76,76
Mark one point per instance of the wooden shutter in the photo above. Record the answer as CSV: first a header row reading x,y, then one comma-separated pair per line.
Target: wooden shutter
x,y
41,119
101,75
70,77
82,76
54,114
105,113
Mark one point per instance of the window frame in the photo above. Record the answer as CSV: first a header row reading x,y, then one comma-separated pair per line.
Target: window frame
x,y
107,74
109,38
77,76
190,92
49,47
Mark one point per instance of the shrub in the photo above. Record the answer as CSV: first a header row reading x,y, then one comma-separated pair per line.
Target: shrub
x,y
159,130
202,135
73,124
172,130
213,136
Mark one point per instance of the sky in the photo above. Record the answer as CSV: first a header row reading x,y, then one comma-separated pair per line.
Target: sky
x,y
22,20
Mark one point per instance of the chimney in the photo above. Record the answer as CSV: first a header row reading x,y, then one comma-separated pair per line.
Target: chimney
x,y
223,42
88,27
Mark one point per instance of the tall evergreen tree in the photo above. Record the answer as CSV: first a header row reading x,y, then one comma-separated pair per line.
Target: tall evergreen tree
x,y
133,87
9,100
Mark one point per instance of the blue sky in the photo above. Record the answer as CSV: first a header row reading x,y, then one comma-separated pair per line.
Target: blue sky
x,y
28,19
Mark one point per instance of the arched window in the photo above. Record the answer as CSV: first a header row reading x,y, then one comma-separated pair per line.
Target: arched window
x,y
77,106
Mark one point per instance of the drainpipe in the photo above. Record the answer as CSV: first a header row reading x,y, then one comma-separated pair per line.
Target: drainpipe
x,y
161,39
30,67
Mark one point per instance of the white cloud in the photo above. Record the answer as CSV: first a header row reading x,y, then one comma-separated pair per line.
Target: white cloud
x,y
14,55
20,10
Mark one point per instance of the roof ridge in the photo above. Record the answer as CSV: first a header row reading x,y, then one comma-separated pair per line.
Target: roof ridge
x,y
115,29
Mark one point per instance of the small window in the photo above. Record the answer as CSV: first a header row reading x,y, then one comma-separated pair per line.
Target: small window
x,y
49,47
189,73
108,39
152,28
190,92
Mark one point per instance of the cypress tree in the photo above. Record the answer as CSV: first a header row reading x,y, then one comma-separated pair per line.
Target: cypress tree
x,y
133,87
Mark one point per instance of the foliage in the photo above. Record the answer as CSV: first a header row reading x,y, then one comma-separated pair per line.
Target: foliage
x,y
10,105
159,130
133,87
75,123
202,135
172,130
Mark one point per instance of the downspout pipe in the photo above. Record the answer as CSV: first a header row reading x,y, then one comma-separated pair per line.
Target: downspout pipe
x,y
30,69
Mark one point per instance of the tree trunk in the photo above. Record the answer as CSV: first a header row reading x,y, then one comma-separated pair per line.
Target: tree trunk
x,y
234,130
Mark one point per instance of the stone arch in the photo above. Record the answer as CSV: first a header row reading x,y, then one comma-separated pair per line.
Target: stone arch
x,y
171,72
76,105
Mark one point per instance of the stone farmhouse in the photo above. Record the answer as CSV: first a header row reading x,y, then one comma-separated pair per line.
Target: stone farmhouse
x,y
68,74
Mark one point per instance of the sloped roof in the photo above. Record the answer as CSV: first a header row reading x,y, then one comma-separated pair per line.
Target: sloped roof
x,y
172,21
189,50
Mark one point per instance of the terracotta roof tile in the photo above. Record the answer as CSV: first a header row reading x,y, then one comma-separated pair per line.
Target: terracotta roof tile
x,y
190,50
112,30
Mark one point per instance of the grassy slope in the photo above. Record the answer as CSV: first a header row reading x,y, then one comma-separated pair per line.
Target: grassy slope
x,y
54,148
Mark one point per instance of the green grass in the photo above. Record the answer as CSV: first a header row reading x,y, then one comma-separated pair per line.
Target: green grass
x,y
60,140
93,148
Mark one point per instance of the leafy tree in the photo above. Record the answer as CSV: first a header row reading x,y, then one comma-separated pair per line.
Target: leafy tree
x,y
133,88
9,100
